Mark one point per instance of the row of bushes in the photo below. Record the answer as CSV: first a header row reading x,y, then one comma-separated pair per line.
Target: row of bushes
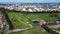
x,y
49,30
8,21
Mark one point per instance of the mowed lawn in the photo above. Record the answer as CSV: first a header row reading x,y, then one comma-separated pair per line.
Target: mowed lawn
x,y
19,20
0,32
38,16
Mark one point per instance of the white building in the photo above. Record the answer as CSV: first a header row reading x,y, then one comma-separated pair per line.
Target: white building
x,y
30,10
24,9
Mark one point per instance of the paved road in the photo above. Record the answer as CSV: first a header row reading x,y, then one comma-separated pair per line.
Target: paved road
x,y
17,30
7,26
55,26
1,21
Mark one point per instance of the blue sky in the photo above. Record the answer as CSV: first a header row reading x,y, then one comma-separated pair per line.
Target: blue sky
x,y
32,1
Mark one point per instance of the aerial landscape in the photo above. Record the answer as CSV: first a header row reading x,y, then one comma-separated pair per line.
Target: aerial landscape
x,y
29,17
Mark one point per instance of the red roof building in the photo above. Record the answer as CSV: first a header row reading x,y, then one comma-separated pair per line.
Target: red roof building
x,y
42,22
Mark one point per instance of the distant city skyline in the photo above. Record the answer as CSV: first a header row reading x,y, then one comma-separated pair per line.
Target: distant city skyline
x,y
30,1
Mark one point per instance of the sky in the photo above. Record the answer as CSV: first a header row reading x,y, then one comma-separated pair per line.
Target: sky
x,y
31,1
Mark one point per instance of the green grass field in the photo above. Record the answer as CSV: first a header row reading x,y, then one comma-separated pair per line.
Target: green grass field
x,y
0,32
23,17
19,20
